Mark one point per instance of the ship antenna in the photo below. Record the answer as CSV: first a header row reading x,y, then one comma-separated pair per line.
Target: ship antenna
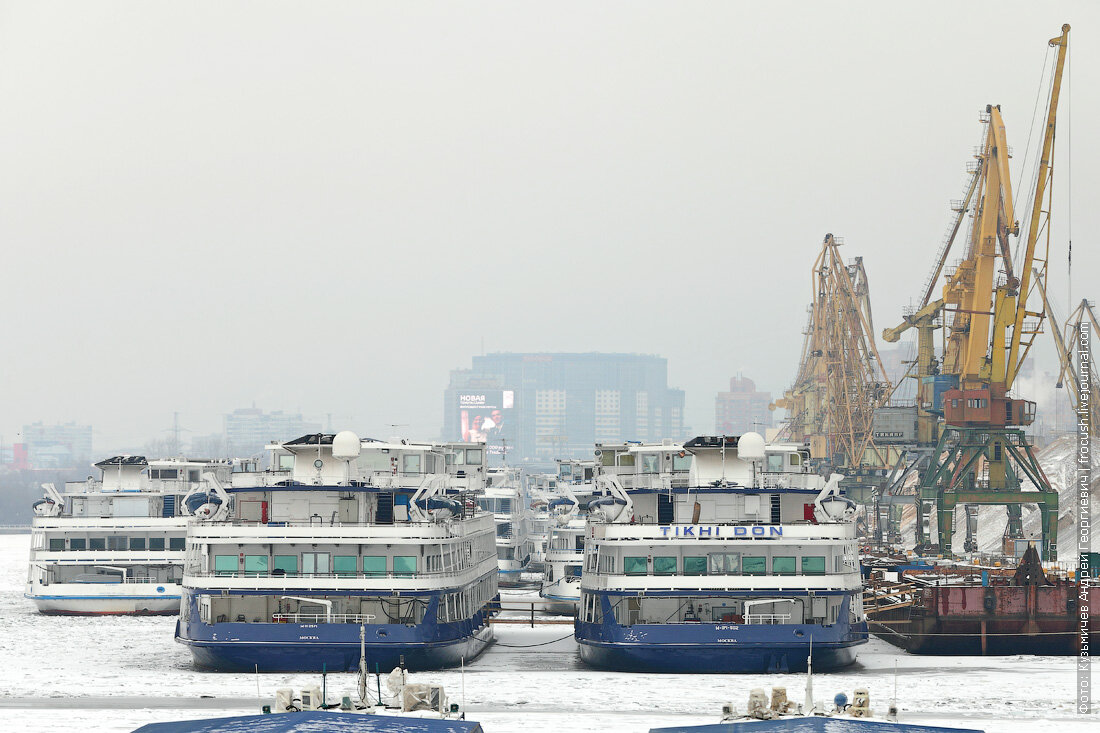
x,y
809,704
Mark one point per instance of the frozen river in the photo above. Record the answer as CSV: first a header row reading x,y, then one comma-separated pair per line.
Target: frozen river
x,y
114,674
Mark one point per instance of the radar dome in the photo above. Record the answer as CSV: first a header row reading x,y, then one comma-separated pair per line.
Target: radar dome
x,y
346,445
750,446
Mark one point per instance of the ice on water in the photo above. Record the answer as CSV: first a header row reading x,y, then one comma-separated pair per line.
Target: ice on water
x,y
113,674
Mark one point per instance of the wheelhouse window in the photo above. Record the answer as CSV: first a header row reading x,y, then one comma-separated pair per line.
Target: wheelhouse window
x,y
695,566
754,565
116,542
97,543
256,564
664,566
156,543
78,543
635,565
813,565
285,565
225,564
404,566
177,543
374,566
344,565
57,544
783,565
137,543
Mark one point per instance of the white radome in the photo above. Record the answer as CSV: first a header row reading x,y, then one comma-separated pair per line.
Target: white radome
x,y
346,445
750,446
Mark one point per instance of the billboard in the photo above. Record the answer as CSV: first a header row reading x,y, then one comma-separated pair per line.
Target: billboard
x,y
487,417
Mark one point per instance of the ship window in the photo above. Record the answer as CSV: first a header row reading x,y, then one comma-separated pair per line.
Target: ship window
x,y
78,543
410,463
775,462
626,459
796,459
573,571
137,543
649,464
315,562
374,565
813,565
344,565
97,543
681,463
664,566
288,564
695,566
225,564
117,542
177,543
783,565
156,543
724,563
635,565
404,565
57,544
473,456
505,506
754,565
255,564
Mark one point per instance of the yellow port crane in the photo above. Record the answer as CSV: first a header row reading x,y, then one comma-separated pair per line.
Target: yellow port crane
x,y
841,380
982,455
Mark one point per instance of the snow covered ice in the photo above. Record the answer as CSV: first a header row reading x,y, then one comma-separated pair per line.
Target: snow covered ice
x,y
116,673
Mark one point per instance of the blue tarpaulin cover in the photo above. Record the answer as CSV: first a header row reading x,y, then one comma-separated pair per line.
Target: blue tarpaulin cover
x,y
314,722
812,725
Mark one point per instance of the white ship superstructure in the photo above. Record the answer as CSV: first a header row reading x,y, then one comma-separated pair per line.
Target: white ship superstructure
x,y
115,545
561,581
342,537
506,498
748,563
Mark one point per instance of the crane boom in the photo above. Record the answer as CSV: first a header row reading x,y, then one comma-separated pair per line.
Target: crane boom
x,y
1045,165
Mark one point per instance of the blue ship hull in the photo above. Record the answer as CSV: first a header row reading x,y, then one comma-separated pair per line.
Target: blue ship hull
x,y
718,648
335,647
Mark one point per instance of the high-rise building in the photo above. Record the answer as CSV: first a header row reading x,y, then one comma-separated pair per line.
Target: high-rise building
x,y
57,446
248,430
742,409
546,406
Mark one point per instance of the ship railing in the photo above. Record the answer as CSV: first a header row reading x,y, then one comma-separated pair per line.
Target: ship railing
x,y
376,575
321,618
767,618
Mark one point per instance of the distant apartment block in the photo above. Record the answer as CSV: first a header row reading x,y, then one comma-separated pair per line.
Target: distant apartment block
x,y
57,446
248,430
557,405
742,409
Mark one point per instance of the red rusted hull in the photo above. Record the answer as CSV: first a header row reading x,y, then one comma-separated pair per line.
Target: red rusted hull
x,y
993,620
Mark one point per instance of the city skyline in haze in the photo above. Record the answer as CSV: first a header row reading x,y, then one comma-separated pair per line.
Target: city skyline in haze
x,y
328,208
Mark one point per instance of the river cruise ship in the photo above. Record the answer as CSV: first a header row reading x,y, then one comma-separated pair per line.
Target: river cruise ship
x,y
115,545
561,589
343,546
746,564
506,497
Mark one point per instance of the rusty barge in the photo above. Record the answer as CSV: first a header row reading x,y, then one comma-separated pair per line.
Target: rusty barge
x,y
949,613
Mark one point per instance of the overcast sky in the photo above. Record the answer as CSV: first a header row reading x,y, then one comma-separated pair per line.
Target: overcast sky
x,y
328,206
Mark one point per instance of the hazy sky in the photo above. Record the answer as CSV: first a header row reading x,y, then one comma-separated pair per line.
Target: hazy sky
x,y
328,206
